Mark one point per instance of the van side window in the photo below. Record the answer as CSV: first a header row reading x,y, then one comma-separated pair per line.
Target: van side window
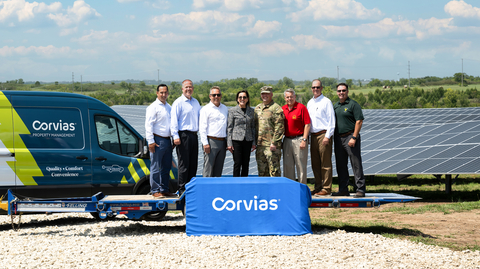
x,y
114,136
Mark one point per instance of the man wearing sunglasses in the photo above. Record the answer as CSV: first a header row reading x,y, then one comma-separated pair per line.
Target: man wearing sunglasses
x,y
322,117
349,118
213,133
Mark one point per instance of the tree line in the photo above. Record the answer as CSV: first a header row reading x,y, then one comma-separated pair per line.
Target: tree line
x,y
128,93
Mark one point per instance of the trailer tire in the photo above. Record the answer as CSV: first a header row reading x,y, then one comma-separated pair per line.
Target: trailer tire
x,y
96,216
158,215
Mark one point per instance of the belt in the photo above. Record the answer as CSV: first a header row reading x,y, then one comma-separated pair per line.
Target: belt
x,y
216,138
161,136
293,137
319,133
187,131
346,134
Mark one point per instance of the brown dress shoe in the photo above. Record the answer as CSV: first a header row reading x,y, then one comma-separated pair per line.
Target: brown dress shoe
x,y
322,193
359,194
157,195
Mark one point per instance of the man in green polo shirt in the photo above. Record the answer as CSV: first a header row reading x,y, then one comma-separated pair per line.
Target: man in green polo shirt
x,y
349,120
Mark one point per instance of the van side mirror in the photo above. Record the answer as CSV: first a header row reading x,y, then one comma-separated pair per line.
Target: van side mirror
x,y
143,149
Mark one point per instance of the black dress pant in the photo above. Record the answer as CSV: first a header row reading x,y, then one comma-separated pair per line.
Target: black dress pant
x,y
343,152
187,153
241,157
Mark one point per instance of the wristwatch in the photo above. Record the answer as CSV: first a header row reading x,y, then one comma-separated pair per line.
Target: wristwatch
x,y
354,138
304,139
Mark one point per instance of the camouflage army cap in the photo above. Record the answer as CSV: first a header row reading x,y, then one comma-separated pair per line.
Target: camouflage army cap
x,y
266,89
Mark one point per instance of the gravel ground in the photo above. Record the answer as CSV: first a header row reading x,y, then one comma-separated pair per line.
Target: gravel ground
x,y
78,241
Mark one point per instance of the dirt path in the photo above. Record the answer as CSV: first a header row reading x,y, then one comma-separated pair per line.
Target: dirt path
x,y
455,229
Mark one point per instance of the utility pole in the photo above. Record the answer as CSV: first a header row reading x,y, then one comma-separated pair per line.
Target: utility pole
x,y
462,72
72,81
81,86
338,75
408,74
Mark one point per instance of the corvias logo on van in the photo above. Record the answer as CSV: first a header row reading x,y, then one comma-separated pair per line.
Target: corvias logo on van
x,y
219,204
53,126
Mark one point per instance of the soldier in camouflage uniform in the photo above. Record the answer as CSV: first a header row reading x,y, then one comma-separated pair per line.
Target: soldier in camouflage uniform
x,y
269,123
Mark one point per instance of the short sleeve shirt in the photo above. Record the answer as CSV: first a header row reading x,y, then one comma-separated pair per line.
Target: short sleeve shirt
x,y
295,119
347,114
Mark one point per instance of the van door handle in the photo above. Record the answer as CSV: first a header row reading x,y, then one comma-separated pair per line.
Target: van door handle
x,y
101,158
82,157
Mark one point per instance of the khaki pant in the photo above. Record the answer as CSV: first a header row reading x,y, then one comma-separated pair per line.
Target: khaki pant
x,y
294,157
321,157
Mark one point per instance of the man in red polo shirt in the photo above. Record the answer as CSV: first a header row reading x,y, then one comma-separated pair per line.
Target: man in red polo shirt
x,y
295,143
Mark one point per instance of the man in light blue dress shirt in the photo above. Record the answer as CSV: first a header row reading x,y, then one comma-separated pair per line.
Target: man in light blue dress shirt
x,y
184,128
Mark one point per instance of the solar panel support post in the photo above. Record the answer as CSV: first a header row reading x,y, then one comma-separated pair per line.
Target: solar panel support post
x,y
448,183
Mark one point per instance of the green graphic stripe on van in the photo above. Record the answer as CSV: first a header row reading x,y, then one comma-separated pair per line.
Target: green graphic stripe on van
x,y
23,156
133,172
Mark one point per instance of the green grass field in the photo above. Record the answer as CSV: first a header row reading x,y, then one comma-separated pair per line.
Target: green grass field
x,y
465,197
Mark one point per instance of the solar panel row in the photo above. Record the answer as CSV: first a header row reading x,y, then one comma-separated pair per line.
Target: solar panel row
x,y
400,141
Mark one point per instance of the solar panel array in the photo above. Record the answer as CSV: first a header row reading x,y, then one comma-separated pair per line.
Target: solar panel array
x,y
394,141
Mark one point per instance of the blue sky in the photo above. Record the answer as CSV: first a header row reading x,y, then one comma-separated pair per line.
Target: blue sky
x,y
217,39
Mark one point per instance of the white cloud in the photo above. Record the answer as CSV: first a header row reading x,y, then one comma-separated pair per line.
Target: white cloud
x,y
68,31
232,5
299,3
275,48
420,29
205,22
387,53
166,38
103,37
265,28
334,10
78,13
462,9
420,54
25,10
49,51
309,42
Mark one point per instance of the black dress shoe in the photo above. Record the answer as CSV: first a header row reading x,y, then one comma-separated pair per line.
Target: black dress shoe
x,y
341,193
359,194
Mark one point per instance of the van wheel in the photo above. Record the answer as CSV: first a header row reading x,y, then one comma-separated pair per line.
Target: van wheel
x,y
158,215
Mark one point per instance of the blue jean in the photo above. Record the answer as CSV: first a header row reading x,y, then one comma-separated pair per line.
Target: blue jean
x,y
161,163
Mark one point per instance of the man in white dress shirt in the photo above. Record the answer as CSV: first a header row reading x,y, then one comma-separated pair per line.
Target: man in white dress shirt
x,y
157,128
184,127
213,133
322,117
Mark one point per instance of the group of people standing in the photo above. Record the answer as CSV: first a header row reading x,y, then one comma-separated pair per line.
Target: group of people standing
x,y
267,129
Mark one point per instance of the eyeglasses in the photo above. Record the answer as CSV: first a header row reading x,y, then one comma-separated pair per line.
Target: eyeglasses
x,y
216,95
341,90
317,87
242,97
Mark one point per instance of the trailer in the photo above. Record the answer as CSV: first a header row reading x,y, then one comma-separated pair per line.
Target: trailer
x,y
137,206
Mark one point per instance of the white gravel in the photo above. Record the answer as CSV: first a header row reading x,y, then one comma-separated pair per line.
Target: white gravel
x,y
78,241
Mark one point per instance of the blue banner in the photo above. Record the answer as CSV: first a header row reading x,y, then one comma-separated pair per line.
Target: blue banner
x,y
247,206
